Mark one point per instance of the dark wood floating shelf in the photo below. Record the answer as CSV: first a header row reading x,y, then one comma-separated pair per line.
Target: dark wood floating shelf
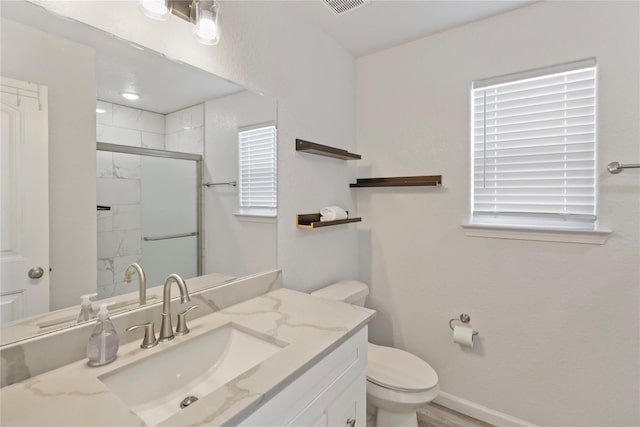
x,y
400,181
313,221
325,150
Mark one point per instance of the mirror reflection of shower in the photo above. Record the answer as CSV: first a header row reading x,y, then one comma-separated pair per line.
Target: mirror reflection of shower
x,y
138,222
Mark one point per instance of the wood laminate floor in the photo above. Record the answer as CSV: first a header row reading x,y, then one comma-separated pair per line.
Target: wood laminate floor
x,y
433,415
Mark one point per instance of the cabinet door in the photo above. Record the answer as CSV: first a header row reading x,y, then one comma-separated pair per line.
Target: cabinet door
x,y
320,421
336,407
318,398
349,408
316,413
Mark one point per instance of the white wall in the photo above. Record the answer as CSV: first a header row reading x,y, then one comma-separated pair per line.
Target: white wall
x,y
234,245
265,48
559,322
61,64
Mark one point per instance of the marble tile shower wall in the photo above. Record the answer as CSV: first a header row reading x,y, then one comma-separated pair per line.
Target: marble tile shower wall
x,y
130,126
118,181
185,130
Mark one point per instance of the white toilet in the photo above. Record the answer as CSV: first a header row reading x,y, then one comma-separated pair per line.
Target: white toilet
x,y
398,383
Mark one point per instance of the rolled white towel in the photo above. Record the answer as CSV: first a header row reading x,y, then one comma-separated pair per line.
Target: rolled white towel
x,y
332,213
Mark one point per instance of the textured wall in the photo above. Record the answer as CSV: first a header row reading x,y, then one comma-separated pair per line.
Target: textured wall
x,y
558,321
234,245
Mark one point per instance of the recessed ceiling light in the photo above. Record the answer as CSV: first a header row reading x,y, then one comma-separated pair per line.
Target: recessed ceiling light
x,y
130,96
100,110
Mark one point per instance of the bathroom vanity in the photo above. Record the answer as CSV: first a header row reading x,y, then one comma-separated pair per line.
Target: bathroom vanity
x,y
282,358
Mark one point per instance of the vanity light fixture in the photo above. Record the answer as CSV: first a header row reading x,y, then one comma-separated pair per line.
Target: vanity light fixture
x,y
204,14
156,9
206,19
130,96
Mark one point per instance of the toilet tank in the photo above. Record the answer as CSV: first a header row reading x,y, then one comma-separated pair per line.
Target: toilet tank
x,y
349,291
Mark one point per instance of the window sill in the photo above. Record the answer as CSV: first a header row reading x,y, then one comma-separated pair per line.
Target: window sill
x,y
544,234
267,216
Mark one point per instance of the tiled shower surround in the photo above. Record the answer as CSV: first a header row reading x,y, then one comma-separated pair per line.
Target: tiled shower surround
x,y
118,181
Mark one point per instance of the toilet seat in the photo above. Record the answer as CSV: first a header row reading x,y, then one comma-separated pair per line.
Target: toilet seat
x,y
399,370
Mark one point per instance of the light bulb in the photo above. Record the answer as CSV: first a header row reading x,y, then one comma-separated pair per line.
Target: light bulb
x,y
207,27
155,9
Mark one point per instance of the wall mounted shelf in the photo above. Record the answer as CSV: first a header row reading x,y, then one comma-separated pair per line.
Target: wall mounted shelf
x,y
313,221
325,150
400,181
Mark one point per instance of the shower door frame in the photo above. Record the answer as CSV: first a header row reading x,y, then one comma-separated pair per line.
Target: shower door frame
x,y
141,151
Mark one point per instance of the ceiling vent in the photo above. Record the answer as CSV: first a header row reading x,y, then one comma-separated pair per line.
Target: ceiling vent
x,y
340,7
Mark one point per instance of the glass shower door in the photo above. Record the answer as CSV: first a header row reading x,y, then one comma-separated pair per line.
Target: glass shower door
x,y
169,218
149,213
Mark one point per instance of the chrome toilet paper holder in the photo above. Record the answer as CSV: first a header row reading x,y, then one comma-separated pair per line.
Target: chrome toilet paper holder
x,y
464,319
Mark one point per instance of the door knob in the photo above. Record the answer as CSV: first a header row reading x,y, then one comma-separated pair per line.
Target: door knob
x,y
35,273
351,422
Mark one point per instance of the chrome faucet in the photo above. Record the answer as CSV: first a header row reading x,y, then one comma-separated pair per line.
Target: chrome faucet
x,y
141,279
166,329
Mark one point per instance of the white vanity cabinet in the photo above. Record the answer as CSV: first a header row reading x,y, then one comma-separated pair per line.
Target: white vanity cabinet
x,y
330,393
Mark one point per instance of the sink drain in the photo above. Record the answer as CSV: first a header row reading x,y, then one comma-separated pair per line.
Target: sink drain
x,y
188,401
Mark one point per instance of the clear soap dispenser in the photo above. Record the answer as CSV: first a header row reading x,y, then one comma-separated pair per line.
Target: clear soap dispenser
x,y
86,310
103,344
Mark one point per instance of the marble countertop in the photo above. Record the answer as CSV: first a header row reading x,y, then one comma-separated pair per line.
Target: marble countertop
x,y
74,396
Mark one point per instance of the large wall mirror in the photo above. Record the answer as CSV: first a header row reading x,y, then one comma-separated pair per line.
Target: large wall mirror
x,y
180,180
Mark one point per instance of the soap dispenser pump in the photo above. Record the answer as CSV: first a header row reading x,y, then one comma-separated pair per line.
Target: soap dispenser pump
x,y
103,344
86,310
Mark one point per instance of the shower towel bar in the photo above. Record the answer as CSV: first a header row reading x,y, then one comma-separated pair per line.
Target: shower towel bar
x,y
616,167
172,236
209,184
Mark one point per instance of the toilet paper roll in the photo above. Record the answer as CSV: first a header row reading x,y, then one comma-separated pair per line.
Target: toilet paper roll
x,y
463,335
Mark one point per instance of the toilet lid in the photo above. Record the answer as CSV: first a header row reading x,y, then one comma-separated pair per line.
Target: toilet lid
x,y
399,370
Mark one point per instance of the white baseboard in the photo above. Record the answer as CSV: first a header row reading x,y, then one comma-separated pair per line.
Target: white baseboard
x,y
479,412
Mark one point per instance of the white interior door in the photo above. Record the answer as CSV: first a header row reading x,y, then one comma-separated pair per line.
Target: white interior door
x,y
24,200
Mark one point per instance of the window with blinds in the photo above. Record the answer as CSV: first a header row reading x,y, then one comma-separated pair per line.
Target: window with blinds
x,y
258,170
534,147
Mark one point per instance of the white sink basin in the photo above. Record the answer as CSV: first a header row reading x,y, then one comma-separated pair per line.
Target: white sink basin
x,y
154,387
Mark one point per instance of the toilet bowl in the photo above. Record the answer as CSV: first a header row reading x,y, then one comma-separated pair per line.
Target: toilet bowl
x,y
398,382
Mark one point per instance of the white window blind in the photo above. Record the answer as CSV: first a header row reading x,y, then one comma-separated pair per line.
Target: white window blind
x,y
534,145
258,167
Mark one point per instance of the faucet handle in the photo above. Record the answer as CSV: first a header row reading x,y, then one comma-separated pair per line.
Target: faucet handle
x,y
149,339
182,328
